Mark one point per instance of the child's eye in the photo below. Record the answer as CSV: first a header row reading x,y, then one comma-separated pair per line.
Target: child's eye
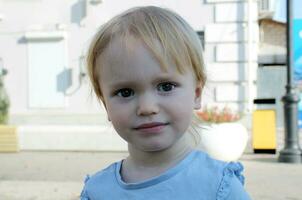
x,y
125,92
166,87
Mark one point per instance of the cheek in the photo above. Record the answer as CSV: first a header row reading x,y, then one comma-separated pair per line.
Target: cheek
x,y
119,116
183,114
180,110
183,104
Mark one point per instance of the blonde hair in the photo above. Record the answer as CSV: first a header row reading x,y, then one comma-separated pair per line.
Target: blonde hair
x,y
151,25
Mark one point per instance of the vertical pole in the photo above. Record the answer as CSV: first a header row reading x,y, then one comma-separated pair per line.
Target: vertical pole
x,y
291,152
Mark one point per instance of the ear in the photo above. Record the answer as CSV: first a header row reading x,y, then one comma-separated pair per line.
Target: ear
x,y
197,98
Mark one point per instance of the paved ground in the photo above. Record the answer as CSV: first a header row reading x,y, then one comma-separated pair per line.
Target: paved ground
x,y
59,175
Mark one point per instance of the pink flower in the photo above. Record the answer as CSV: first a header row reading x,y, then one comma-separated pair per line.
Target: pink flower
x,y
216,115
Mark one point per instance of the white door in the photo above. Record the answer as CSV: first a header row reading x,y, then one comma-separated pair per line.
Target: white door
x,y
47,61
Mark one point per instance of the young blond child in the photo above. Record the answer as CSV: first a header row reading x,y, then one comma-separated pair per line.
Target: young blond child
x,y
146,67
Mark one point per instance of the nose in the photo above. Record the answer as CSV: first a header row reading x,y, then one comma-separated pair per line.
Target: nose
x,y
147,105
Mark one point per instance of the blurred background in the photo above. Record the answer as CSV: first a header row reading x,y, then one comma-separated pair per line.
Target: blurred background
x,y
43,44
46,100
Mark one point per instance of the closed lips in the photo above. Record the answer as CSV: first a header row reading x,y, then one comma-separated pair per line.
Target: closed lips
x,y
150,125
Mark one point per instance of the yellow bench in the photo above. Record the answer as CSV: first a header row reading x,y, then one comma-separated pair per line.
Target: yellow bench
x,y
8,139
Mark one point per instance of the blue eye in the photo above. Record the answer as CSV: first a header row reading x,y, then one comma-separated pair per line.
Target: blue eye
x,y
125,92
166,87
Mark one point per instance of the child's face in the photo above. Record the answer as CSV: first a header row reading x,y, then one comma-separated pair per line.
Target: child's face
x,y
137,93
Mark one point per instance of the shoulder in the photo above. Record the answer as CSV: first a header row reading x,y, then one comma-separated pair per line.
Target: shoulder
x,y
102,178
218,166
226,177
232,183
102,175
208,164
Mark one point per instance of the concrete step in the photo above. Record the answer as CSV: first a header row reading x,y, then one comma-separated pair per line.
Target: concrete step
x,y
70,138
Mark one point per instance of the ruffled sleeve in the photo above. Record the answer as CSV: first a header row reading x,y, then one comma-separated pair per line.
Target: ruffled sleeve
x,y
231,185
84,195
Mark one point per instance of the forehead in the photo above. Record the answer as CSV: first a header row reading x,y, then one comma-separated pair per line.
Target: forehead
x,y
132,56
124,48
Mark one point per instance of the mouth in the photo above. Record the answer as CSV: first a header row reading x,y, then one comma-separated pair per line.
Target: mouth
x,y
150,125
151,128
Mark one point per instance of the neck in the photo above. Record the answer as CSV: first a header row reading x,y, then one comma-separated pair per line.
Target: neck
x,y
142,165
163,158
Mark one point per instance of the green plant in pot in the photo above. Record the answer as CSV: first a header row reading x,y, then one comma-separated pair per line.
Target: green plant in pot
x,y
4,99
8,133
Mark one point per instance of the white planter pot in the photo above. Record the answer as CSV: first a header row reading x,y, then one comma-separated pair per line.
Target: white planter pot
x,y
225,141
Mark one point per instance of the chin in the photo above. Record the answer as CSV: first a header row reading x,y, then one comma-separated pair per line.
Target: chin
x,y
155,147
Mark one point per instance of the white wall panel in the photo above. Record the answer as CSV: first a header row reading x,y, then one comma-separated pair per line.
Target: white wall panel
x,y
229,93
229,32
235,52
232,72
234,12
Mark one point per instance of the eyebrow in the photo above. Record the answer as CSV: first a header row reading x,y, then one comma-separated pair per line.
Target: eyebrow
x,y
122,84
162,77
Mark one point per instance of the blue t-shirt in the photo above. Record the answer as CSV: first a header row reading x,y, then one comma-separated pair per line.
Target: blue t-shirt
x,y
197,176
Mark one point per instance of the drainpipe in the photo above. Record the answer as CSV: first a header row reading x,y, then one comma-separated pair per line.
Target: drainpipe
x,y
250,72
